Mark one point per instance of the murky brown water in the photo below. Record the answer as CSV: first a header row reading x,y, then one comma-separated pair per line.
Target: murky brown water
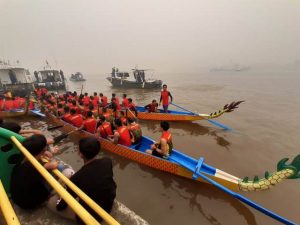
x,y
266,129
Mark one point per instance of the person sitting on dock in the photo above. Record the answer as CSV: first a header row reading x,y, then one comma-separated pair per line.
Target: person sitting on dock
x,y
29,189
135,131
152,107
164,98
95,179
104,129
121,135
164,146
90,123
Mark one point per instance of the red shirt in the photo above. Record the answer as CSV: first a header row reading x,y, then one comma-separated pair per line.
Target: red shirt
x,y
90,125
104,101
124,138
165,97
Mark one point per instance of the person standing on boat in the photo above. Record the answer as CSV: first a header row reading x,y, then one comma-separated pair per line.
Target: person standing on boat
x,y
164,98
121,134
164,146
95,179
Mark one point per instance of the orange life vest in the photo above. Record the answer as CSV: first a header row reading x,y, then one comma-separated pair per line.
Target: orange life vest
x,y
8,105
165,97
104,101
136,132
90,125
77,120
105,129
124,138
67,117
125,102
168,137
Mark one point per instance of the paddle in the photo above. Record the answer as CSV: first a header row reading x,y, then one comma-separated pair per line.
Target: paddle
x,y
238,196
209,120
54,127
62,136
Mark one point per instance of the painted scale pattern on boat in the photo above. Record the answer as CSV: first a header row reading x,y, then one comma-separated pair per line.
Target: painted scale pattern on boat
x,y
284,171
144,158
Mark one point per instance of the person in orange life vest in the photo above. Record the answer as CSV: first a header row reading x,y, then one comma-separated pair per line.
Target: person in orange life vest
x,y
93,110
164,146
86,99
123,118
152,107
125,102
164,98
90,123
131,106
67,115
121,134
135,131
76,119
105,129
8,104
74,106
115,100
94,101
60,110
103,99
44,91
96,97
107,115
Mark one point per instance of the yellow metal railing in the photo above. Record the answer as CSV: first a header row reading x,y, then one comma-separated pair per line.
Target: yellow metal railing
x,y
75,206
90,202
7,209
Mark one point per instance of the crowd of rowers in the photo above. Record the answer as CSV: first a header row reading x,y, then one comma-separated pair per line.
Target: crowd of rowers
x,y
114,120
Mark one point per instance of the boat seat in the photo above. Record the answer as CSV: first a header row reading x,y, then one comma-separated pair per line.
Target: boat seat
x,y
136,146
198,168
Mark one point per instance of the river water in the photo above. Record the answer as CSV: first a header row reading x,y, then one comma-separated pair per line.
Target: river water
x,y
265,130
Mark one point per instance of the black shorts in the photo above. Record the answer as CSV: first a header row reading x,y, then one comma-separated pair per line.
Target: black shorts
x,y
156,153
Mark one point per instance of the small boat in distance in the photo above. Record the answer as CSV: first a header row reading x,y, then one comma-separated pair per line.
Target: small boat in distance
x,y
138,80
77,77
232,68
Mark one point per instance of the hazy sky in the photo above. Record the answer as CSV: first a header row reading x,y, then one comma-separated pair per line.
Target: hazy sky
x,y
165,35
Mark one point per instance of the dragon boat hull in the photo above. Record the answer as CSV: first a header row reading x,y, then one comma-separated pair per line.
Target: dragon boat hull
x,y
137,153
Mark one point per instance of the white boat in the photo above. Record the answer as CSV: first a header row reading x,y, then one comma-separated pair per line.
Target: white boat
x,y
50,78
15,78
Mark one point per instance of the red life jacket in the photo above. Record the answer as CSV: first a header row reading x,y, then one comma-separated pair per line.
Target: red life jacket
x,y
16,104
95,103
105,129
77,120
67,117
125,102
168,137
86,100
117,103
123,120
104,101
124,138
107,116
31,105
90,125
8,105
165,97
96,97
132,106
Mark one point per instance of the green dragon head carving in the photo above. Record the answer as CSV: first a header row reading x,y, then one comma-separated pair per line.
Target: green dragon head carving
x,y
295,166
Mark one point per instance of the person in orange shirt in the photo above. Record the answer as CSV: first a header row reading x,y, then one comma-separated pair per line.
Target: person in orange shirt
x,y
164,98
76,119
89,124
164,146
125,102
104,101
105,129
121,134
67,115
152,107
135,131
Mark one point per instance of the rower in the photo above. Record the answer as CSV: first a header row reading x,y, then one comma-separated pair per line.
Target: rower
x,y
104,130
164,146
86,99
115,100
152,107
103,99
125,102
60,110
135,131
121,135
96,97
131,106
90,123
76,119
67,115
123,118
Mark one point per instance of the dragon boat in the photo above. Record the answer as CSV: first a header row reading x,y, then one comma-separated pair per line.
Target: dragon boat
x,y
183,165
15,113
174,115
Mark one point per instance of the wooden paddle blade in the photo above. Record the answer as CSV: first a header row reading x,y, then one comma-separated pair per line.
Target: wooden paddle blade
x,y
60,137
55,127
